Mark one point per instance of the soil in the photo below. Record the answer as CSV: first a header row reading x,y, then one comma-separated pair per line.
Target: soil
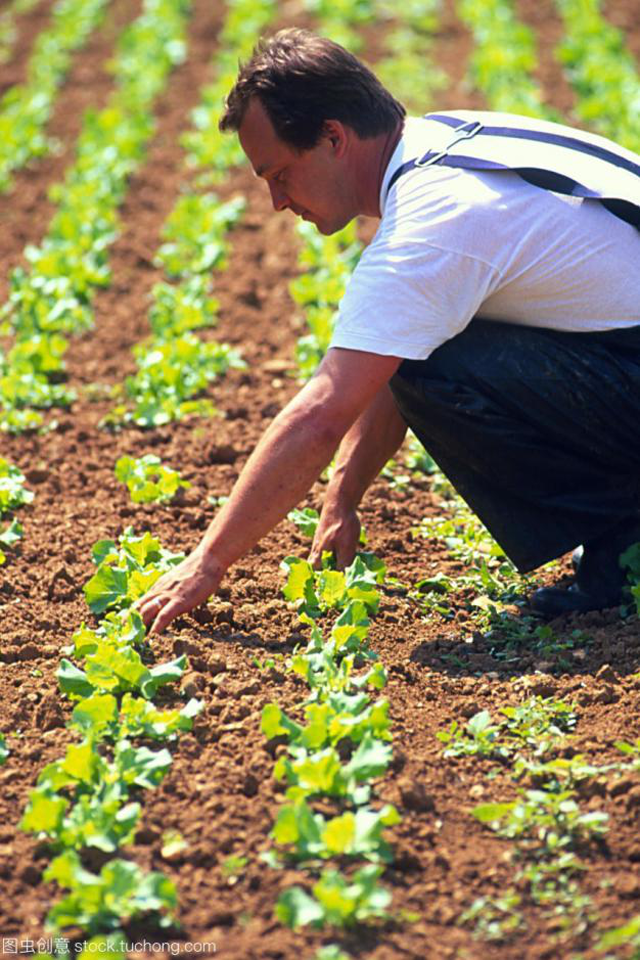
x,y
220,793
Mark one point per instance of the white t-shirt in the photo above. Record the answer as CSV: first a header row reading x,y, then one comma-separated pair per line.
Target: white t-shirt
x,y
454,244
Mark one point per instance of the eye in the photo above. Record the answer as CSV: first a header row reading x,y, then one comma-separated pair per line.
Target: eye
x,y
279,177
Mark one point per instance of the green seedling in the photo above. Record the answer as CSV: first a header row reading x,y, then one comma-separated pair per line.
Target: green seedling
x,y
337,900
148,480
99,903
195,232
495,919
322,772
172,843
126,571
480,737
553,819
233,867
308,835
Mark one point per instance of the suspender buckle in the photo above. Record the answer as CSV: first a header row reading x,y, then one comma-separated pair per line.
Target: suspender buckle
x,y
462,133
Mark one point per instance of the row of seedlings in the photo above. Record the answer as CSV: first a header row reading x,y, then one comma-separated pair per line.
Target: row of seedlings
x,y
602,71
546,819
86,805
174,365
335,750
551,820
208,152
25,109
54,296
504,58
8,28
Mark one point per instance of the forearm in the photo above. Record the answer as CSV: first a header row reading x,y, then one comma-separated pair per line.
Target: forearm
x,y
289,458
372,440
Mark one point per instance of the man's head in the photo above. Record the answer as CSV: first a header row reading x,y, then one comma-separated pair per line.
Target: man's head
x,y
316,124
302,81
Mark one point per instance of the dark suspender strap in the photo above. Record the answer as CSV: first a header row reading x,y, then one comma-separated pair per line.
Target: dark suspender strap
x,y
546,179
543,136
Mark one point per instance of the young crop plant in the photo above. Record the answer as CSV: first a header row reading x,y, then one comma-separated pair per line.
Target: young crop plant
x,y
126,570
13,495
504,58
625,936
195,234
337,900
25,110
102,903
171,373
54,296
537,725
148,480
602,71
491,591
630,560
495,918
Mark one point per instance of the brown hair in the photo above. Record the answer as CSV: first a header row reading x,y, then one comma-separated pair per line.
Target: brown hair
x,y
303,80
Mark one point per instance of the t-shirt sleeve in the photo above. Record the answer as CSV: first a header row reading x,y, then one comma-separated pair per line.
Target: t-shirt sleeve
x,y
407,297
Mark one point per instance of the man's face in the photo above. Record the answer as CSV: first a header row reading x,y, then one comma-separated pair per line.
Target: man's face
x,y
310,183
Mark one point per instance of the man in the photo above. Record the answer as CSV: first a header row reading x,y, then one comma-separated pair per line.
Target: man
x,y
500,319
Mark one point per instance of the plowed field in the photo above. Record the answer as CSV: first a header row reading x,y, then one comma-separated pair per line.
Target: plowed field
x,y
220,793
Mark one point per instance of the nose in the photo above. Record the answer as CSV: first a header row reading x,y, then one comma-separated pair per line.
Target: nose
x,y
279,198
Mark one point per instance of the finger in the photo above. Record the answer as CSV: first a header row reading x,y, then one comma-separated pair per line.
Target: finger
x,y
345,555
169,612
148,608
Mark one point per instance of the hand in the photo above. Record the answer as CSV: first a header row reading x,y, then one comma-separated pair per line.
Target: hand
x,y
338,532
179,590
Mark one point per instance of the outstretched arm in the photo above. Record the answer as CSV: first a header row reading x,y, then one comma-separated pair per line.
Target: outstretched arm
x,y
289,458
371,441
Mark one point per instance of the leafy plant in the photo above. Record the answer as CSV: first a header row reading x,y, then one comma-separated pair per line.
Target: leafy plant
x,y
195,233
337,900
630,560
479,737
495,918
148,480
120,893
127,571
553,818
354,833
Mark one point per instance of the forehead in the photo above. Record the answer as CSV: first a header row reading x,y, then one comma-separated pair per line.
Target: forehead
x,y
259,140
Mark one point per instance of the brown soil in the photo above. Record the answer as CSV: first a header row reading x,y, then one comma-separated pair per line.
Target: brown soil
x,y
220,793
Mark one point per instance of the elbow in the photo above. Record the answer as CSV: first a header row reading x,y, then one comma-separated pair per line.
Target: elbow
x,y
322,426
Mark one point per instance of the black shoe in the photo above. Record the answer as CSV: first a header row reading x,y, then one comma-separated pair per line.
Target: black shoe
x,y
551,602
600,580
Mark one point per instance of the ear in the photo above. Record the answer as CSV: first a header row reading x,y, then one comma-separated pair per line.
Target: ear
x,y
337,135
